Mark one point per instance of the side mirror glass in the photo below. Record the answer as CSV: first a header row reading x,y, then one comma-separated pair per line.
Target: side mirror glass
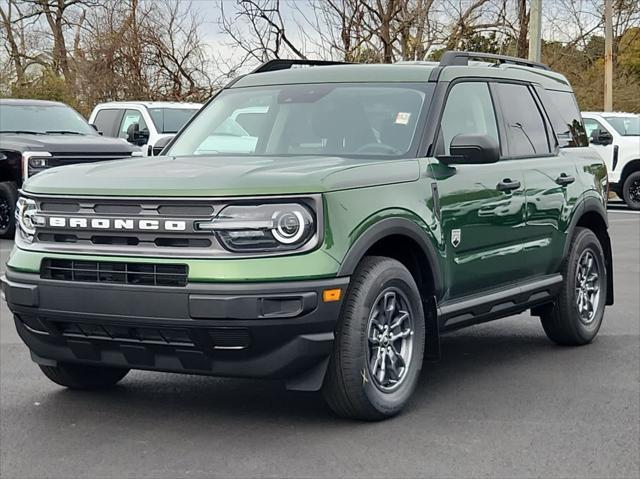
x,y
472,149
161,144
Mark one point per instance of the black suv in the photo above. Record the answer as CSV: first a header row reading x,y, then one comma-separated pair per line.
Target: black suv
x,y
36,135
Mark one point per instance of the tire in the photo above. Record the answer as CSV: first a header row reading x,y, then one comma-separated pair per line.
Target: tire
x,y
8,199
631,190
350,388
82,376
563,322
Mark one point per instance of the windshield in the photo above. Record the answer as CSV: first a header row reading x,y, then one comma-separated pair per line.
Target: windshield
x,y
43,119
170,120
376,120
625,125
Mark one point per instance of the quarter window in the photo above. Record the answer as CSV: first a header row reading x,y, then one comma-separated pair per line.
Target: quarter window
x,y
524,125
469,110
562,109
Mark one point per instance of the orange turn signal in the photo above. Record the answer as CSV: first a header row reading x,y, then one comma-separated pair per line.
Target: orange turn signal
x,y
331,295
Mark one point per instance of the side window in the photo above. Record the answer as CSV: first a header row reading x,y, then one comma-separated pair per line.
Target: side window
x,y
562,109
590,125
107,121
131,117
469,109
523,122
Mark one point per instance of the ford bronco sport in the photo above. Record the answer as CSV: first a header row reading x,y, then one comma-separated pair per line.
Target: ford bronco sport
x,y
364,211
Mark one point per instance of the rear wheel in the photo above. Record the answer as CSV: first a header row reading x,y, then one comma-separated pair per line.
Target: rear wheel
x,y
631,190
83,376
8,199
577,314
379,343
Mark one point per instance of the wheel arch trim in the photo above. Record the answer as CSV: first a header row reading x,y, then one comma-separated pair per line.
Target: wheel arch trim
x,y
587,205
392,227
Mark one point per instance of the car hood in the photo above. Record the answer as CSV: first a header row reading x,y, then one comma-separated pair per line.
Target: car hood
x,y
65,143
221,176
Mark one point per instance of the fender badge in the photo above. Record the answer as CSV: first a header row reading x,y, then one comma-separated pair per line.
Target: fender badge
x,y
456,237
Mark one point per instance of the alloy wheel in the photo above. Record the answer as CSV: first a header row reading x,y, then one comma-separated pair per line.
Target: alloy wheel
x,y
389,340
587,287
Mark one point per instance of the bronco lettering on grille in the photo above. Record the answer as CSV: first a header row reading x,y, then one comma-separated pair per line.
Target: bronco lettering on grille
x,y
116,224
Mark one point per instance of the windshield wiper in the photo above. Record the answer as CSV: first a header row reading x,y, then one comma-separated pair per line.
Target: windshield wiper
x,y
23,132
63,132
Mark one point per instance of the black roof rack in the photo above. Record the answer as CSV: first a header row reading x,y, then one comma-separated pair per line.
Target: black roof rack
x,y
284,64
450,58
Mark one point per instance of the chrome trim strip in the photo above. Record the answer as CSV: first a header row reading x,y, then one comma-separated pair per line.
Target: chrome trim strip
x,y
26,156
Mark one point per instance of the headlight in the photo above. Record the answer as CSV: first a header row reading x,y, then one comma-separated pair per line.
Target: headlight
x,y
267,227
38,162
26,216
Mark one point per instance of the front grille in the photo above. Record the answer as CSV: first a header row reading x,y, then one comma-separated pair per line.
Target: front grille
x,y
114,272
59,159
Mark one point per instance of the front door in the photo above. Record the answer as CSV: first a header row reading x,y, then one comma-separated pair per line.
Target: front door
x,y
482,207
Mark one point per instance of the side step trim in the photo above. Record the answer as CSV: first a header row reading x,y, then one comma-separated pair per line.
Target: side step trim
x,y
498,303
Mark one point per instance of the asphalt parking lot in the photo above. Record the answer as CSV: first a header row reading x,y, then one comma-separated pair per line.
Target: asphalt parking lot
x,y
502,402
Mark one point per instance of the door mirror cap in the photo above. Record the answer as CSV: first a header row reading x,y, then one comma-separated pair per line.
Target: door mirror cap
x,y
472,149
161,144
600,137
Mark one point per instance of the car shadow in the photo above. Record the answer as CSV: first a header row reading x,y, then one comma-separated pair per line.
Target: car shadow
x,y
145,396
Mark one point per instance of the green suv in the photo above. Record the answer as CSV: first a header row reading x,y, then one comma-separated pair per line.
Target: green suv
x,y
322,224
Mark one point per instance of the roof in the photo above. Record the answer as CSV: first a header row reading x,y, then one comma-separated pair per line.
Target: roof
x,y
609,113
405,72
151,104
28,102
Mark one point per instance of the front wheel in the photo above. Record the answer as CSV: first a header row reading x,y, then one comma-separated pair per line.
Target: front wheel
x,y
8,199
631,190
379,343
83,376
577,314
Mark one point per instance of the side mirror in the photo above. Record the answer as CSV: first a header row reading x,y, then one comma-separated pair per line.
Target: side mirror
x,y
161,144
135,136
95,127
472,149
601,137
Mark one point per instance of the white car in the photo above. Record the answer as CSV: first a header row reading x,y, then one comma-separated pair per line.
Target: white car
x,y
142,123
616,136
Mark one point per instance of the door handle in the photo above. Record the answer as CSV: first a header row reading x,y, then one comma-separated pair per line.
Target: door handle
x,y
564,179
508,185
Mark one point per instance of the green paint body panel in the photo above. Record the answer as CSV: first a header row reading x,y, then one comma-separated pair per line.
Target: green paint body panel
x,y
504,237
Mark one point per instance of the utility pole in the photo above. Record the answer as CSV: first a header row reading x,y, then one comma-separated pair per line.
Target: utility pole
x,y
535,30
608,56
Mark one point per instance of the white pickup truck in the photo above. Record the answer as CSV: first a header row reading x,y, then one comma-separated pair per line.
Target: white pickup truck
x,y
617,138
142,123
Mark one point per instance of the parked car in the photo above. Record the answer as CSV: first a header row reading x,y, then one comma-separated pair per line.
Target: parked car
x,y
378,207
36,135
142,123
616,136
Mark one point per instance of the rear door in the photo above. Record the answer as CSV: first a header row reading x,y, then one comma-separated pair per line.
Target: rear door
x,y
482,207
549,173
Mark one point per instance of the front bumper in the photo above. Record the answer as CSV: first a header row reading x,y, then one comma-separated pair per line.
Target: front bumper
x,y
279,330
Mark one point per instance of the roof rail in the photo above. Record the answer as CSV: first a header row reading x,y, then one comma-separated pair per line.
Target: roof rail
x,y
450,58
284,64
